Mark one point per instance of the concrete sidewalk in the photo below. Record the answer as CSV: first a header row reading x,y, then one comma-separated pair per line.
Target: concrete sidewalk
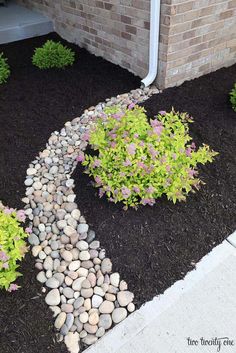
x,y
18,22
197,314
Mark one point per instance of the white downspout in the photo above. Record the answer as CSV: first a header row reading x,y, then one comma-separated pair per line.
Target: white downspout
x,y
153,43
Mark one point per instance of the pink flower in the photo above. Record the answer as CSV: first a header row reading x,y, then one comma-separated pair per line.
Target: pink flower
x,y
131,149
96,163
150,189
122,174
113,144
168,168
153,152
158,129
148,201
118,116
85,136
13,287
141,165
5,265
127,163
101,192
125,192
98,180
155,123
163,159
162,112
136,189
174,156
28,230
125,134
142,144
188,151
21,215
136,135
193,146
80,157
192,172
131,106
8,210
103,116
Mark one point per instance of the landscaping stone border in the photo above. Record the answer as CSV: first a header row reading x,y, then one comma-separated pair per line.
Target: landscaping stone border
x,y
85,296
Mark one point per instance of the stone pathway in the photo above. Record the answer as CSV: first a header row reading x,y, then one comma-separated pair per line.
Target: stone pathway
x,y
196,314
85,296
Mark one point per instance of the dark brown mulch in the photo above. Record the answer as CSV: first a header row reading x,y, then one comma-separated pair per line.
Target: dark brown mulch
x,y
156,246
33,104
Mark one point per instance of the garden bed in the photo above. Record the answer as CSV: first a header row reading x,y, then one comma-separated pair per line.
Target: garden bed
x,y
155,246
34,103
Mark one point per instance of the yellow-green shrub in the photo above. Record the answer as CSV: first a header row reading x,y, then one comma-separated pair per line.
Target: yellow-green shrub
x,y
12,246
137,162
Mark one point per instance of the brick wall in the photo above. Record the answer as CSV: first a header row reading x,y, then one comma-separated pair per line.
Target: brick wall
x,y
196,36
117,30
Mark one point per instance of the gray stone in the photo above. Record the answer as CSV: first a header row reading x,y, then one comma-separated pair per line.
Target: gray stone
x,y
53,297
41,277
52,283
60,277
77,284
100,332
60,320
67,255
89,339
78,302
118,315
48,263
68,292
91,329
74,265
115,279
86,293
125,297
106,266
67,308
64,330
76,214
96,301
106,307
105,321
33,239
69,320
82,228
94,245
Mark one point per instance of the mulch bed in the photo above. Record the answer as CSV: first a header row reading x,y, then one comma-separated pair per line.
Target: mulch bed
x,y
33,104
154,247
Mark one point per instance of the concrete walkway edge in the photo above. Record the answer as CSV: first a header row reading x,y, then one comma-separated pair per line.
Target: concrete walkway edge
x,y
127,331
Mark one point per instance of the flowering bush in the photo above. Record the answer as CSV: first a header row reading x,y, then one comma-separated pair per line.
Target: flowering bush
x,y
233,97
53,55
12,246
4,69
137,161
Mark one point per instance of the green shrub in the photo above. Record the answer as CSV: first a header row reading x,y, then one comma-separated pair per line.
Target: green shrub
x,y
233,97
12,246
137,162
53,55
4,69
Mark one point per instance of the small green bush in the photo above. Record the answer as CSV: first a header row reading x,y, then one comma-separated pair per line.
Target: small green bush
x,y
137,162
233,97
53,55
4,69
12,246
